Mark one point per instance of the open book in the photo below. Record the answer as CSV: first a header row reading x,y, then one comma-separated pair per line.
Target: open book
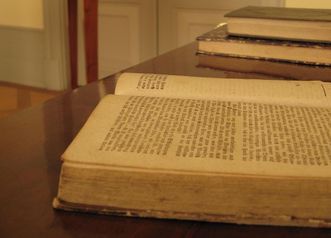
x,y
212,149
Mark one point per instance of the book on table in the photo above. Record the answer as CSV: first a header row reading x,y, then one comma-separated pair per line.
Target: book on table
x,y
265,68
299,24
209,149
219,42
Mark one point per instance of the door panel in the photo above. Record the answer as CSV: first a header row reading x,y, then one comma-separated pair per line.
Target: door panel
x,y
120,45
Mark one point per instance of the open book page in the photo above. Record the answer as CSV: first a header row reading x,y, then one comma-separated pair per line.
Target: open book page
x,y
205,136
313,93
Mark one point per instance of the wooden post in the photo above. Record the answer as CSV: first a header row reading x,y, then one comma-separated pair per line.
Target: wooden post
x,y
91,39
73,48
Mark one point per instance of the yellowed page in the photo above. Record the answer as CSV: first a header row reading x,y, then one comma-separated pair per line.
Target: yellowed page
x,y
264,91
205,136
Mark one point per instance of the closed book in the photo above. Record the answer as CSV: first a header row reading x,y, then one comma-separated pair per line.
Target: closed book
x,y
264,68
300,24
219,42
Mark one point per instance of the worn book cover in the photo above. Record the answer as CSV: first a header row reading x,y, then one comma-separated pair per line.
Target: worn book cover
x,y
219,42
264,68
281,23
282,13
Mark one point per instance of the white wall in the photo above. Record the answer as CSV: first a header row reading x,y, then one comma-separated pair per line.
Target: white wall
x,y
22,13
33,37
308,3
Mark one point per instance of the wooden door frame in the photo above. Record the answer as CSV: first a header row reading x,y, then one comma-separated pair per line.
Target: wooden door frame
x,y
56,44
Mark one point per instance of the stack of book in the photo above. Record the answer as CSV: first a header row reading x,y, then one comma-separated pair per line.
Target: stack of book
x,y
209,149
274,34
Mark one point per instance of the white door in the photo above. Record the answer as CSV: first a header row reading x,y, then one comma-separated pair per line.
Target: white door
x,y
34,53
181,21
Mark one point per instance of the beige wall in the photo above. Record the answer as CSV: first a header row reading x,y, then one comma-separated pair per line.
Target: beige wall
x,y
308,3
29,13
22,13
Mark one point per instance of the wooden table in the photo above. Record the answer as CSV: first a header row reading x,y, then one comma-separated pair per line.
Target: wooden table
x,y
32,141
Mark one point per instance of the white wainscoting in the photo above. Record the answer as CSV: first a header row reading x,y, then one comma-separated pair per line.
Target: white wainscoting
x,y
21,56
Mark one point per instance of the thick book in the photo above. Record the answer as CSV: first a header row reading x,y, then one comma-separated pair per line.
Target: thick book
x,y
219,42
265,68
209,149
281,23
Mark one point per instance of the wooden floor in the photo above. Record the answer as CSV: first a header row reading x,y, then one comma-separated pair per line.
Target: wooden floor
x,y
15,97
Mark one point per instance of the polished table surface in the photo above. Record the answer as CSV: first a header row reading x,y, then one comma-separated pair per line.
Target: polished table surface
x,y
32,141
